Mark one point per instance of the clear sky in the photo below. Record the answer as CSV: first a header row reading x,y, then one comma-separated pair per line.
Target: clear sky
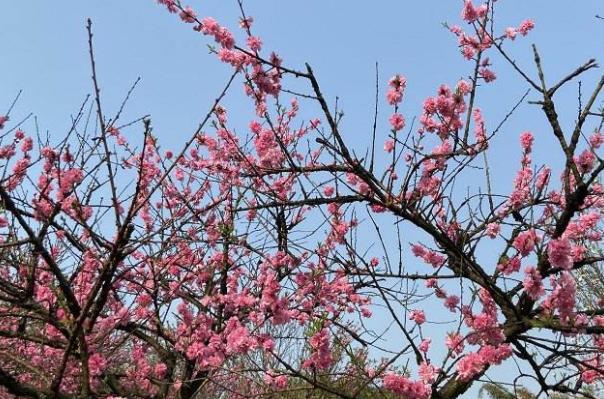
x,y
44,53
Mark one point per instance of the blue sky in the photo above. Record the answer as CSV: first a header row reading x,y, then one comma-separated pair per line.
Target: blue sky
x,y
44,48
44,52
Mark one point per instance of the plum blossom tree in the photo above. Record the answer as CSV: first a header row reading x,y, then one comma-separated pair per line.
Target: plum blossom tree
x,y
128,270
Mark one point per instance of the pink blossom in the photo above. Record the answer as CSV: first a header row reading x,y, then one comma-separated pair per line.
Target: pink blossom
x,y
596,139
525,242
27,144
510,33
170,5
428,373
592,374
469,12
482,10
210,26
509,266
563,296
456,30
221,35
469,366
559,252
238,338
48,152
434,259
430,257
418,250
526,141
526,26
533,283
188,15
254,43
451,303
585,161
522,184
397,87
160,369
464,87
246,23
406,387
398,82
328,191
492,230
389,146
321,357
96,364
418,316
455,343
394,96
424,346
542,178
7,151
279,382
397,121
363,188
487,74
495,354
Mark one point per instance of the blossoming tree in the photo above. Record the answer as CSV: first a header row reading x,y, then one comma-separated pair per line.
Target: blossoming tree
x,y
127,270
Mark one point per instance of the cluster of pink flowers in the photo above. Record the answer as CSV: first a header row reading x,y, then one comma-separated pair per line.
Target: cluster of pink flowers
x,y
485,72
509,266
431,257
269,153
470,13
321,357
596,139
428,372
406,387
524,28
584,227
533,283
443,114
559,252
397,85
265,75
394,96
424,345
473,364
276,381
418,316
485,329
209,26
397,122
585,161
389,145
563,296
522,182
480,133
591,371
451,302
525,242
455,343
